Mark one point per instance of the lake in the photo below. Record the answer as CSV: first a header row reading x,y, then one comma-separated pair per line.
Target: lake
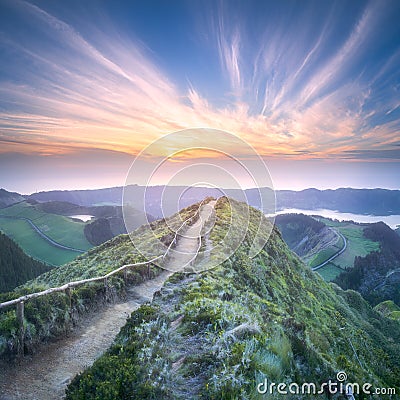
x,y
392,220
82,217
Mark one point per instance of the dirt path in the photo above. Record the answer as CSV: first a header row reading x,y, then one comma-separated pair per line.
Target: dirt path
x,y
43,235
316,268
45,375
185,252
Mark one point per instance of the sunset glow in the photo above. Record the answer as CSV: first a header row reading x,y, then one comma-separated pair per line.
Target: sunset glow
x,y
308,82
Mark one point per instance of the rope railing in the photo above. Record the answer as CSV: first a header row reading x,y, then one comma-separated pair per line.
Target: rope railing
x,y
99,278
19,302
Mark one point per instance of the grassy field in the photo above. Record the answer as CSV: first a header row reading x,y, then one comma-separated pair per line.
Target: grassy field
x,y
357,244
57,227
33,244
327,253
330,271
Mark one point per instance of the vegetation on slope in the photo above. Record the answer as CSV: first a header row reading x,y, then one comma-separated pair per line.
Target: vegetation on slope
x,y
54,314
375,276
14,221
309,238
15,266
98,231
389,309
9,198
295,227
217,334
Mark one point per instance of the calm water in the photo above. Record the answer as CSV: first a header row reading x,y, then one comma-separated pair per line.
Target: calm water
x,y
83,217
392,220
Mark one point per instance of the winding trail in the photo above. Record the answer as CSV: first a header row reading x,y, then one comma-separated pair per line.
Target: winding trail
x,y
336,254
46,374
43,235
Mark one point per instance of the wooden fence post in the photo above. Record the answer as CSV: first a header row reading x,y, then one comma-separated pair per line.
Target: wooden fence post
x,y
68,292
106,288
21,327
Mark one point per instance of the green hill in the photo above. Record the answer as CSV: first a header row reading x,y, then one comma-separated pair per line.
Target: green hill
x,y
389,309
19,220
309,238
15,266
217,334
9,198
376,275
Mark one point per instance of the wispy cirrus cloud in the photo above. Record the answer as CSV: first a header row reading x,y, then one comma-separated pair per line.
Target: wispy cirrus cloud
x,y
294,89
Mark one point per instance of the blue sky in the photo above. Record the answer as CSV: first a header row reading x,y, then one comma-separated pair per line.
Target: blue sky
x,y
312,85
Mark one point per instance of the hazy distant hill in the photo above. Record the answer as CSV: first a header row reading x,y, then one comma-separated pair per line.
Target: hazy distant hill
x,y
358,201
9,198
15,266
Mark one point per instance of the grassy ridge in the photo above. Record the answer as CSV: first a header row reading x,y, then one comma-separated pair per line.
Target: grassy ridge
x,y
215,335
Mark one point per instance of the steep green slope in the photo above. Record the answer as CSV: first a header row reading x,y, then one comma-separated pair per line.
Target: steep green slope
x,y
15,266
309,238
19,221
376,275
217,334
54,314
389,309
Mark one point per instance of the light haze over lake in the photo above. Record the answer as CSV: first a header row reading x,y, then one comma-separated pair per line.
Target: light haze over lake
x,y
392,220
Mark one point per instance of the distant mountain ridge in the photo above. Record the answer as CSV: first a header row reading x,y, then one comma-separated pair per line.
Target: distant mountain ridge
x,y
357,201
9,198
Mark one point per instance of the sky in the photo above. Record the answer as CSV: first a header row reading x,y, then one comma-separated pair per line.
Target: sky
x,y
313,86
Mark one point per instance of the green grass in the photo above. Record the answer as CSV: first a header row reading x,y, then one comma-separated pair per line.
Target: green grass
x,y
33,244
49,315
326,253
330,271
357,244
59,228
215,335
323,255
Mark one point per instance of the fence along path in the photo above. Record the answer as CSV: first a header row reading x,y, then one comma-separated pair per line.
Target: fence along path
x,y
47,374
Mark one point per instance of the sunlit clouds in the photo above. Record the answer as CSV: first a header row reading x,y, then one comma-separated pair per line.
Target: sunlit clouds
x,y
297,81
